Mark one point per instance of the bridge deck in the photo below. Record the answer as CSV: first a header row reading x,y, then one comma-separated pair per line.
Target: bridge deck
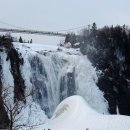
x,y
33,32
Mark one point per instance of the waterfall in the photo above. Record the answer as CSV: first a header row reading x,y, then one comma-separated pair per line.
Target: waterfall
x,y
55,75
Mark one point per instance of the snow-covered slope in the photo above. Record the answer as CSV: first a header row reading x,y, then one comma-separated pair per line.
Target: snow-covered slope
x,y
75,114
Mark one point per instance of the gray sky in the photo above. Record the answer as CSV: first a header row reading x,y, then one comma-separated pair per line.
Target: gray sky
x,y
54,15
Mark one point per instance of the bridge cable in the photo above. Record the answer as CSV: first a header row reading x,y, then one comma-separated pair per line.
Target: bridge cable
x,y
81,27
11,25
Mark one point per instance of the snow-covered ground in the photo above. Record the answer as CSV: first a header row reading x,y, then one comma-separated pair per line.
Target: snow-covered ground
x,y
74,113
41,39
35,47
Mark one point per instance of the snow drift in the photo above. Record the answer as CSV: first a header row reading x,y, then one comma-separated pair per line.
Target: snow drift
x,y
74,113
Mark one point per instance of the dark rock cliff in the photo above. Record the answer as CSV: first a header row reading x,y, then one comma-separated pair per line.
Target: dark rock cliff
x,y
4,121
19,87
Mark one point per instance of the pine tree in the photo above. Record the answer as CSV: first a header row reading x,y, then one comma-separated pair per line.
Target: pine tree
x,y
31,41
20,40
94,29
67,38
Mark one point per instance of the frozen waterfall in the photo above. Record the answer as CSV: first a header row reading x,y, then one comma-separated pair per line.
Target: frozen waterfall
x,y
56,74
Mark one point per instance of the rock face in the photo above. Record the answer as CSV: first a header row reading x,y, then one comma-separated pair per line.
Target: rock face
x,y
15,62
3,115
67,85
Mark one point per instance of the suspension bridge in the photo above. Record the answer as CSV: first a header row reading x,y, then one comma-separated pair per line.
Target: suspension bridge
x,y
36,32
33,32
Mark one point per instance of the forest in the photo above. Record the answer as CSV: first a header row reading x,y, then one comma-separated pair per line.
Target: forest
x,y
108,48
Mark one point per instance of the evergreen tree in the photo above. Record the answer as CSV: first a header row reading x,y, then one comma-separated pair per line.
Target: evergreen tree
x,y
31,41
108,48
20,40
71,38
67,38
94,29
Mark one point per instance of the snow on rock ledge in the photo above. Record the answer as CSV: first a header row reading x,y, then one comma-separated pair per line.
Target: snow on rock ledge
x,y
75,114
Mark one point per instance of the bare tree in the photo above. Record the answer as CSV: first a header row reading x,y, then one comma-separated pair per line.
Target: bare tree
x,y
14,110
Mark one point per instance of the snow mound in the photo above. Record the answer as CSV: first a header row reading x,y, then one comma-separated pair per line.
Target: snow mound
x,y
75,114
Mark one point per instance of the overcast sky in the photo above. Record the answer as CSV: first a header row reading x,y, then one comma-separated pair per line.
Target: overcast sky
x,y
55,15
